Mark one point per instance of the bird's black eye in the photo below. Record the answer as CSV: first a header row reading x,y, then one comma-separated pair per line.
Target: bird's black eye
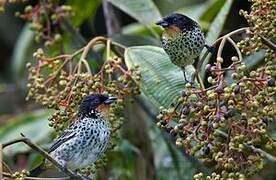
x,y
175,21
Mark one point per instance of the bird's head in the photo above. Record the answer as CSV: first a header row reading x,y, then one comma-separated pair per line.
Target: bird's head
x,y
95,102
175,22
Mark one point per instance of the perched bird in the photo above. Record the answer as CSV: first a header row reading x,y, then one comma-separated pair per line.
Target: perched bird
x,y
82,143
182,39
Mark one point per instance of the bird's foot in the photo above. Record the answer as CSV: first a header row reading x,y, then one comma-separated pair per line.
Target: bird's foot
x,y
86,177
211,49
190,84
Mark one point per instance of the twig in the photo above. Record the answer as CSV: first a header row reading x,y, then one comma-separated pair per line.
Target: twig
x,y
111,21
5,174
6,166
236,48
44,154
251,147
202,62
221,46
77,37
267,42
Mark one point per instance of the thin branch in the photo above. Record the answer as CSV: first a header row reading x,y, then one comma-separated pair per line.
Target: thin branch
x,y
203,58
236,48
44,154
251,147
6,167
9,175
267,42
78,39
111,21
221,46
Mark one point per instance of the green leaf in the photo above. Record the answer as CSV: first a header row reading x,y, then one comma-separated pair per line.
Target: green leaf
x,y
212,10
134,40
195,11
162,82
215,30
254,59
22,52
83,10
139,29
144,11
33,125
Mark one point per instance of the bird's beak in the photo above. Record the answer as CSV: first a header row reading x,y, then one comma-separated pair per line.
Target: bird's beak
x,y
162,23
110,100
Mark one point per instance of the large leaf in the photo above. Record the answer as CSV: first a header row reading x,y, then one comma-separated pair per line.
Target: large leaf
x,y
211,10
23,51
33,125
139,29
134,40
83,10
195,11
215,30
168,6
144,11
162,82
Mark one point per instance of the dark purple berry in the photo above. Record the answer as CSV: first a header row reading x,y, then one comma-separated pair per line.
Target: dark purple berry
x,y
206,150
230,113
163,123
237,89
185,110
271,82
208,68
168,128
181,134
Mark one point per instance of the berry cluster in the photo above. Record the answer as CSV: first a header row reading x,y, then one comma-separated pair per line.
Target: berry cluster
x,y
218,124
20,175
262,25
45,18
61,82
226,125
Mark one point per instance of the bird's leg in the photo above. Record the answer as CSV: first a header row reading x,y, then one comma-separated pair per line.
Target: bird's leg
x,y
63,163
186,79
194,75
86,177
83,177
211,49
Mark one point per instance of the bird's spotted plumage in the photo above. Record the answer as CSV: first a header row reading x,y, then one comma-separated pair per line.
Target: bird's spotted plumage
x,y
86,139
184,46
182,39
83,142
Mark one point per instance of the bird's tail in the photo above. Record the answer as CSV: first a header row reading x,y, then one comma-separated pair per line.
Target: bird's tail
x,y
38,170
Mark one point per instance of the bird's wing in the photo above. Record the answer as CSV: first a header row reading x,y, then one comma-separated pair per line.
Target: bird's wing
x,y
67,134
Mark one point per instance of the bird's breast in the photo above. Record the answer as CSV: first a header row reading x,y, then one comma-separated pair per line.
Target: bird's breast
x,y
184,47
89,144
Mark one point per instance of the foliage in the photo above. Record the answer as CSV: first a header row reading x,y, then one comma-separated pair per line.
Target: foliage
x,y
225,121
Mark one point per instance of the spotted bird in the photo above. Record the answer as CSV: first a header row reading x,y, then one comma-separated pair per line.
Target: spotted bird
x,y
182,40
83,142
